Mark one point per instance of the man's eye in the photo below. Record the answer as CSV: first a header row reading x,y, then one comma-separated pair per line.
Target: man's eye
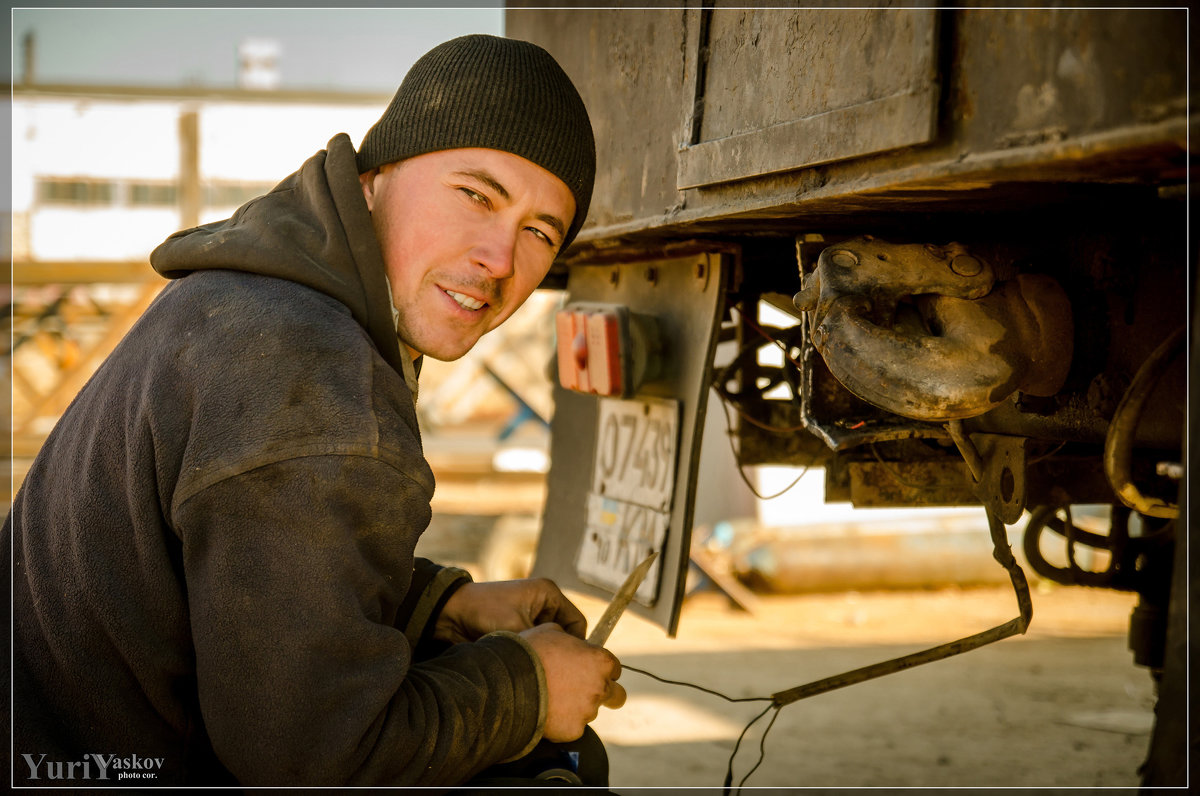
x,y
545,238
475,196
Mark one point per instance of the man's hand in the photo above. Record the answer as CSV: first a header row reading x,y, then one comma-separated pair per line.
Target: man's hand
x,y
580,677
477,609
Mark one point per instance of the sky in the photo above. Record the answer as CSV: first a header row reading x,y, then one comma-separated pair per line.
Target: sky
x,y
362,49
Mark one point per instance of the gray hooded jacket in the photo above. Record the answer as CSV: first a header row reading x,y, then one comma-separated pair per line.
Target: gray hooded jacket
x,y
213,553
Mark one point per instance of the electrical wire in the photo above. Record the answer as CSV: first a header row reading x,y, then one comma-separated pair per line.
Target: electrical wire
x,y
782,346
744,415
737,458
1046,455
729,770
1003,555
725,395
762,747
727,698
727,402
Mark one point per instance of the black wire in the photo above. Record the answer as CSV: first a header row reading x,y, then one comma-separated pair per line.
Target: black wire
x,y
736,746
762,742
626,667
738,459
762,747
727,402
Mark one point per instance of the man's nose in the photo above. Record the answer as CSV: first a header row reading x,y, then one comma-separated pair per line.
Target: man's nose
x,y
495,250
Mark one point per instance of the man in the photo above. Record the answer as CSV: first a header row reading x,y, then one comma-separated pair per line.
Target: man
x,y
214,578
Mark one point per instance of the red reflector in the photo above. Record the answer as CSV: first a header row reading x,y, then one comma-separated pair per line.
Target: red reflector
x,y
590,349
604,353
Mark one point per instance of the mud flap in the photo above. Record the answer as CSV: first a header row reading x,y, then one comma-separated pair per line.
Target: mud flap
x,y
684,294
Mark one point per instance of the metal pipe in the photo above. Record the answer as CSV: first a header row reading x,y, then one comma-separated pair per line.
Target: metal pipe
x,y
1118,444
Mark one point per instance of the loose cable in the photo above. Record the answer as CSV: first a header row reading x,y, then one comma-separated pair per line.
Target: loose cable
x,y
727,698
1002,552
737,457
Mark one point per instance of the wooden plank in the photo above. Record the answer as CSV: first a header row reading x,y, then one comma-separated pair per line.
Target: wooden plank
x,y
718,571
82,272
282,96
71,380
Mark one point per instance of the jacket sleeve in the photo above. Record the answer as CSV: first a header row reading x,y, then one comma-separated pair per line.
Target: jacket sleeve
x,y
432,585
297,575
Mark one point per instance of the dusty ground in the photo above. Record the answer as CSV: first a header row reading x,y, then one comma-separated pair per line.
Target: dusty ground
x,y
1062,706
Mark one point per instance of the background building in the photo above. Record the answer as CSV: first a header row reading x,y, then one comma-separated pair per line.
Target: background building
x,y
129,124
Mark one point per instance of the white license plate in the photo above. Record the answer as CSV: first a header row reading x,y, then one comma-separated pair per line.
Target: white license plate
x,y
633,484
618,537
635,451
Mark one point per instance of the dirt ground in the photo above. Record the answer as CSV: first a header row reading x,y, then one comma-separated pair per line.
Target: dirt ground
x,y
1060,707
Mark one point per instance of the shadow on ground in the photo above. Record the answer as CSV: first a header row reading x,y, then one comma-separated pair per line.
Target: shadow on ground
x,y
1029,713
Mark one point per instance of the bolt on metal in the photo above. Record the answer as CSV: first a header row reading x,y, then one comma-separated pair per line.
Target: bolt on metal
x,y
966,265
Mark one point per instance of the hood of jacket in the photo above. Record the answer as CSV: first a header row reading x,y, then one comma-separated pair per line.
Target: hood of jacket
x,y
313,228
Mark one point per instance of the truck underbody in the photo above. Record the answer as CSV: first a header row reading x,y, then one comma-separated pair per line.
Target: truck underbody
x,y
975,223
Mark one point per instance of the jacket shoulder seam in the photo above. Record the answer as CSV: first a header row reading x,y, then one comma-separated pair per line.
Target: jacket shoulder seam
x,y
220,474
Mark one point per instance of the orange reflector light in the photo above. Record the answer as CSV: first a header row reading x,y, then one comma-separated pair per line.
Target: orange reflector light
x,y
592,347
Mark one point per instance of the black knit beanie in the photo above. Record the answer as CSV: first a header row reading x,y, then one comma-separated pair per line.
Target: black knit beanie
x,y
495,93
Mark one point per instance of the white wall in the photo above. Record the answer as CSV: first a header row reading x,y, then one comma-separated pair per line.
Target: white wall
x,y
139,141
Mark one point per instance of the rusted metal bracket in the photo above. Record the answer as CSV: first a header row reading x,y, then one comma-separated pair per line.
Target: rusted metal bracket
x,y
931,332
997,465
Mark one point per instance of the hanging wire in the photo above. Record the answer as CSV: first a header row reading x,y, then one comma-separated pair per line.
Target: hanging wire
x,y
718,385
762,747
727,402
782,346
1003,555
737,458
1046,455
744,415
729,770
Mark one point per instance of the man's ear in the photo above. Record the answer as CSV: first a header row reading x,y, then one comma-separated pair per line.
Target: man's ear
x,y
367,178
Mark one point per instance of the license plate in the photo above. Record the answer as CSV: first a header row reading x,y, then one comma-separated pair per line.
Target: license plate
x,y
619,535
635,451
633,484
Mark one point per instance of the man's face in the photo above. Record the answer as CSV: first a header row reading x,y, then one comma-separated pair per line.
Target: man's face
x,y
466,236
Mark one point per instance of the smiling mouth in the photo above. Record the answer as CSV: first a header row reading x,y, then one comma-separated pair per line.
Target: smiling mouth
x,y
466,302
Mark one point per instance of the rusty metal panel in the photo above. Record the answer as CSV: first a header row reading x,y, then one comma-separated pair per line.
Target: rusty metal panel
x,y
629,67
684,294
1027,77
782,89
910,483
1035,107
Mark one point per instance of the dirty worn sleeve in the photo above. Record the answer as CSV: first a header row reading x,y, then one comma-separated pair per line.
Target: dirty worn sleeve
x,y
432,585
296,573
